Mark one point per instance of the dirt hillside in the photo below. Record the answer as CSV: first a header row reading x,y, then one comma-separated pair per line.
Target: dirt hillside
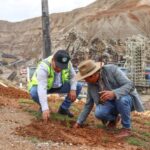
x,y
22,128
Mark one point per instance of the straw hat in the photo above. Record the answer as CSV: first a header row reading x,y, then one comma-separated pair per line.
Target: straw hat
x,y
87,68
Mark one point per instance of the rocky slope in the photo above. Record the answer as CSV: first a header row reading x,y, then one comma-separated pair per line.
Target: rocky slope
x,y
82,31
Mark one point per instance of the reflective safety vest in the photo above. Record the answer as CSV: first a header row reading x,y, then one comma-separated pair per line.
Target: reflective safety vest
x,y
65,74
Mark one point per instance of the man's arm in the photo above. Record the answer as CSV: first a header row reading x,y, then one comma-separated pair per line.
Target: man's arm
x,y
42,76
73,82
86,110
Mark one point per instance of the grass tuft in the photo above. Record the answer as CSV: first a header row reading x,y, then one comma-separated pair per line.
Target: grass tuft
x,y
135,141
34,113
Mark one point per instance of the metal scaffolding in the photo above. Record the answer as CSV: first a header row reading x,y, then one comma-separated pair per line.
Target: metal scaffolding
x,y
137,55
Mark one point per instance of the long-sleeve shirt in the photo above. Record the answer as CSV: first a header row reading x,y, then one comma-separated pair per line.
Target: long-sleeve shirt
x,y
42,76
115,80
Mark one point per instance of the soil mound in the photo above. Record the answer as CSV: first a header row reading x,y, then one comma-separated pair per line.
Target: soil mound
x,y
12,92
63,131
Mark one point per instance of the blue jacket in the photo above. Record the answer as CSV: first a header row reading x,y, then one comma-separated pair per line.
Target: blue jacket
x,y
115,80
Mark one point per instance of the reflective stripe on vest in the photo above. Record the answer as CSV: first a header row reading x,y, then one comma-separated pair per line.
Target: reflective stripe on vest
x,y
65,74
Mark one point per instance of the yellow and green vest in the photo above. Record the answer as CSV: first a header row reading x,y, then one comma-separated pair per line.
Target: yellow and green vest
x,y
65,74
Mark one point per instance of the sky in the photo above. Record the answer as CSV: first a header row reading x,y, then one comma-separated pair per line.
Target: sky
x,y
18,10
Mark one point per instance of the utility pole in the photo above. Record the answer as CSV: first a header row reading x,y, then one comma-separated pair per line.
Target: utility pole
x,y
45,28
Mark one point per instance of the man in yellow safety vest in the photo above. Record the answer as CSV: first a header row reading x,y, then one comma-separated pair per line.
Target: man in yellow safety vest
x,y
54,74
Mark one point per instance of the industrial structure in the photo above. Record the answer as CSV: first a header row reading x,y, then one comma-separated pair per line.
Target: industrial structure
x,y
138,60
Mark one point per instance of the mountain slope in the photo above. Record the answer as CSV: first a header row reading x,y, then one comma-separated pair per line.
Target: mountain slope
x,y
104,19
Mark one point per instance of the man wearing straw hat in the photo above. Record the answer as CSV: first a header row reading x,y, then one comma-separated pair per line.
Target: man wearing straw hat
x,y
113,93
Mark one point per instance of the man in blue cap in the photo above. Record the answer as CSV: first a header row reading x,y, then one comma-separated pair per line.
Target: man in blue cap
x,y
54,74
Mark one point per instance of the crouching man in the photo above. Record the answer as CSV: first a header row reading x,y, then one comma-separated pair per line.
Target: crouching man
x,y
54,75
113,93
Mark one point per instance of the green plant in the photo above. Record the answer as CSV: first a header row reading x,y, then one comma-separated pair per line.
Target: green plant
x,y
68,123
56,116
135,141
147,134
34,113
139,142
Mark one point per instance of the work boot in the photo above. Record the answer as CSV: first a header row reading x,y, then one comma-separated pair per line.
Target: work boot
x,y
124,132
104,122
113,124
65,112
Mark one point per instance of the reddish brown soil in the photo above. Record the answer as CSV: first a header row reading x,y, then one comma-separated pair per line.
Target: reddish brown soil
x,y
63,131
9,96
58,131
9,102
12,92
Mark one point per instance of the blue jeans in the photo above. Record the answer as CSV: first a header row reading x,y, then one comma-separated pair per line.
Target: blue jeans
x,y
111,108
64,89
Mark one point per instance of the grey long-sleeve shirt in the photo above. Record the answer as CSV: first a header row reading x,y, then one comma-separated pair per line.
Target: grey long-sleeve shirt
x,y
121,86
42,76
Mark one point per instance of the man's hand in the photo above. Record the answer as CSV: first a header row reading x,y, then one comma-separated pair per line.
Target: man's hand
x,y
77,125
72,95
46,115
107,95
